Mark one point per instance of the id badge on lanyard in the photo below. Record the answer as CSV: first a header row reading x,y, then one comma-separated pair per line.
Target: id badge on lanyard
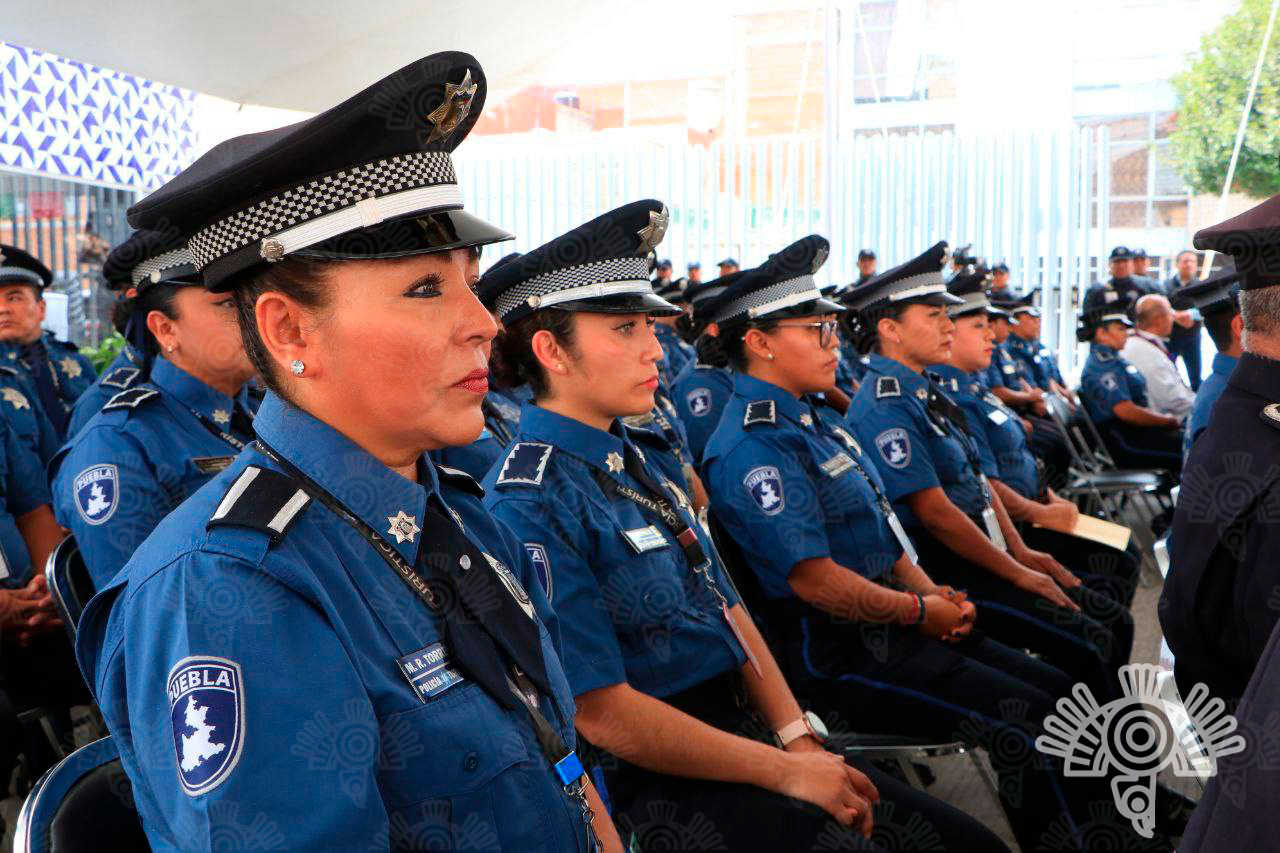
x,y
903,539
990,521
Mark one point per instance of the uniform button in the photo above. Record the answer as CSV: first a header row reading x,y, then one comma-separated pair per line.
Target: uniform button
x,y
648,598
471,762
465,562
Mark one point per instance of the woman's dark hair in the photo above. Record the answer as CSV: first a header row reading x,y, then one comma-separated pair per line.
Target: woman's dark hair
x,y
733,341
512,361
1218,325
860,326
303,280
157,297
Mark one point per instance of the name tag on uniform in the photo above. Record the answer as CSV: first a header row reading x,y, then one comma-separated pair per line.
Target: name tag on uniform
x,y
643,539
994,533
428,671
212,464
837,465
903,539
1009,368
997,417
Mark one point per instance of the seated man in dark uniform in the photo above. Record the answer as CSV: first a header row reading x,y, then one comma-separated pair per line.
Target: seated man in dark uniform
x,y
1115,396
1218,607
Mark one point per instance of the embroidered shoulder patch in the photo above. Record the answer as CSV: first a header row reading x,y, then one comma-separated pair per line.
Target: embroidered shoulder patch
x,y
699,402
895,447
206,707
121,377
130,399
764,484
96,491
887,386
760,412
525,463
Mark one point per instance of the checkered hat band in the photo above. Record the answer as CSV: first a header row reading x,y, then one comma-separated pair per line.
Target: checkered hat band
x,y
318,198
708,294
26,276
161,264
1113,318
775,297
910,287
547,285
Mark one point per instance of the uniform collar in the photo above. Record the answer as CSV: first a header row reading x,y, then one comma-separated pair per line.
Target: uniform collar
x,y
1257,375
910,380
787,404
1103,352
377,495
1223,364
954,380
196,395
596,446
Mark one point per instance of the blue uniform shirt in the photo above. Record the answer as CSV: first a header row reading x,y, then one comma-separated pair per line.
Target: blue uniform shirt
x,y
631,608
699,395
1210,390
325,745
1034,359
675,353
792,484
26,416
127,369
996,431
913,448
72,373
132,464
1107,379
24,489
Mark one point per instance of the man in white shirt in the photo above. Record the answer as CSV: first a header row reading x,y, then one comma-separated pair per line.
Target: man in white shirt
x,y
1167,391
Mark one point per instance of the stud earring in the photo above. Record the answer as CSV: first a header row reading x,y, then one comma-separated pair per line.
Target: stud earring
x,y
560,367
168,349
297,367
769,355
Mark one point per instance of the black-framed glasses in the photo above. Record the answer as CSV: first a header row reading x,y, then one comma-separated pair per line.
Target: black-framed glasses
x,y
827,330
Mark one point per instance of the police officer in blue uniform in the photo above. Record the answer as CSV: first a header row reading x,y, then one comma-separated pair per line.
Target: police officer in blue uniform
x,y
703,387
21,408
132,365
932,473
1217,298
860,628
1217,607
1044,520
672,679
55,369
153,445
331,552
1122,287
1114,395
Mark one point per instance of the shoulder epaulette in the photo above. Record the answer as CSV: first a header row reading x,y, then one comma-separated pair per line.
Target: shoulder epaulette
x,y
130,399
526,462
1105,356
6,370
459,479
121,377
887,386
263,500
760,412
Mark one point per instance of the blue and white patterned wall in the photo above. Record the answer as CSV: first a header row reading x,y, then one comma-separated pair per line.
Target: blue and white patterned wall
x,y
63,118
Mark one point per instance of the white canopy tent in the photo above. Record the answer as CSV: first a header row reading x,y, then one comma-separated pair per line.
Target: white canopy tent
x,y
308,54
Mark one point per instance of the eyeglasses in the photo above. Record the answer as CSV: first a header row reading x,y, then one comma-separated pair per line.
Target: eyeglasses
x,y
827,330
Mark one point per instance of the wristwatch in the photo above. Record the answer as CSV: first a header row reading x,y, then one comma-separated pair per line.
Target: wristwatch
x,y
808,724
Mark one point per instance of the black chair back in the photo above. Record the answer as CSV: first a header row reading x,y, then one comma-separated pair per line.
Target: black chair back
x,y
69,583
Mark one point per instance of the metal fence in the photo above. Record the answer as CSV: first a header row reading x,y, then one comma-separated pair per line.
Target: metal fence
x,y
1038,201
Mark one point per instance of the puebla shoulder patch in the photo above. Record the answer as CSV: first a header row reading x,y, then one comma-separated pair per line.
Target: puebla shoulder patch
x,y
699,401
206,707
895,447
96,491
764,484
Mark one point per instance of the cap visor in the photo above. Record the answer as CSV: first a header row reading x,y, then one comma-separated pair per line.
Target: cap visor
x,y
420,234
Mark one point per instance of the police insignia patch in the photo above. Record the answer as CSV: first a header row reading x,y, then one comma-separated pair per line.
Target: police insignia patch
x,y
70,367
765,487
1109,382
206,707
15,397
699,400
512,583
541,565
894,447
96,490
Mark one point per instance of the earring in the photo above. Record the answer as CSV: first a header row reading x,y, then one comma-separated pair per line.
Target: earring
x,y
297,367
769,356
560,366
168,349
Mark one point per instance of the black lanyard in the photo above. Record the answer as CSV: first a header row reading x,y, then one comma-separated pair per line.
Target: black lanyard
x,y
496,422
564,761
209,424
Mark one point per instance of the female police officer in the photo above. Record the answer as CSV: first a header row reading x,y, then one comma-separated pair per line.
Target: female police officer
x,y
331,643
931,472
668,670
1045,520
795,491
155,443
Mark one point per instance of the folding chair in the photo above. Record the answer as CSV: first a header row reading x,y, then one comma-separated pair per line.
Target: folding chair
x,y
69,583
83,803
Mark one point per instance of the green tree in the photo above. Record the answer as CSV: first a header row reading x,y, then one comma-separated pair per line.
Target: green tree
x,y
1211,94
